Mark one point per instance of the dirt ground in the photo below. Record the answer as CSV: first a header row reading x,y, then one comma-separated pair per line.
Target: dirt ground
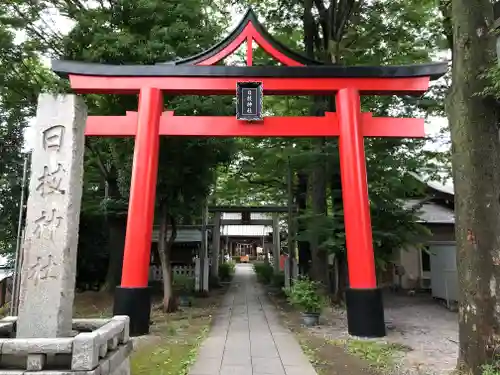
x,y
425,327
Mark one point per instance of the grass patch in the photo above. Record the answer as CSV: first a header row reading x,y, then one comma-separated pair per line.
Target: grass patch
x,y
172,344
327,357
380,356
93,305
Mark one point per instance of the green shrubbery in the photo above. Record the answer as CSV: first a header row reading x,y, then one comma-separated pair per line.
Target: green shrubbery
x,y
183,288
264,272
493,369
266,275
182,284
226,271
278,280
305,294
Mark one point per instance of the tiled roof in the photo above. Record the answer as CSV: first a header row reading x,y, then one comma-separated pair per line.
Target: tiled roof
x,y
231,216
194,234
432,213
5,273
183,235
448,188
5,261
6,267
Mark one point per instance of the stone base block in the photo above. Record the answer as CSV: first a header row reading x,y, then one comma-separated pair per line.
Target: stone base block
x,y
135,303
99,347
365,312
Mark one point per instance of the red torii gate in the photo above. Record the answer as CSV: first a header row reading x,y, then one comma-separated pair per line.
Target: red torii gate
x,y
299,76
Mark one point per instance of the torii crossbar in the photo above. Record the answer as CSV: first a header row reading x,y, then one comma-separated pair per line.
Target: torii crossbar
x,y
298,75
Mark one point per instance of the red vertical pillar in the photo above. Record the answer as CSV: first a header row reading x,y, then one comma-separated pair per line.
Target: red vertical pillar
x,y
365,310
249,51
133,298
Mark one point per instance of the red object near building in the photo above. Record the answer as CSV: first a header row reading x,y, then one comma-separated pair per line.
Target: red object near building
x,y
282,262
298,75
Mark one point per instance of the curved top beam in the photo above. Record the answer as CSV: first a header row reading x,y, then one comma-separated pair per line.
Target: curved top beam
x,y
230,43
432,70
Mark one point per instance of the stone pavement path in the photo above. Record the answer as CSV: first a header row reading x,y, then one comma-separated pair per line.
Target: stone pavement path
x,y
247,337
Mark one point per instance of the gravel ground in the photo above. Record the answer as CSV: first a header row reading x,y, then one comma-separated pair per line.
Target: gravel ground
x,y
427,328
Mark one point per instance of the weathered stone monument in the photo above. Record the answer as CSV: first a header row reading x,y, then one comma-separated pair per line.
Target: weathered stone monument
x,y
47,339
55,193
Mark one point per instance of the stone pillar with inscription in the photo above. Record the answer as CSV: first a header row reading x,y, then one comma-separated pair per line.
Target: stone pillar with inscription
x,y
44,338
55,192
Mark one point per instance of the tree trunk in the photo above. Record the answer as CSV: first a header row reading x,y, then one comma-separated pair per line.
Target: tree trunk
x,y
309,28
319,255
117,227
445,8
474,119
323,34
343,276
164,252
340,265
303,246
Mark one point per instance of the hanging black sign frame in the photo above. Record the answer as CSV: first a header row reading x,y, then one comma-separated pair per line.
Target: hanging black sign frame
x,y
249,98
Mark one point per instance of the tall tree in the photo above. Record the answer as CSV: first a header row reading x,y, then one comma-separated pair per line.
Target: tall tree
x,y
23,77
146,32
474,118
349,32
128,31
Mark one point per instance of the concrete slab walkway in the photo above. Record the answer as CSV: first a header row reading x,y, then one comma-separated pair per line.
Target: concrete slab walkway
x,y
247,337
